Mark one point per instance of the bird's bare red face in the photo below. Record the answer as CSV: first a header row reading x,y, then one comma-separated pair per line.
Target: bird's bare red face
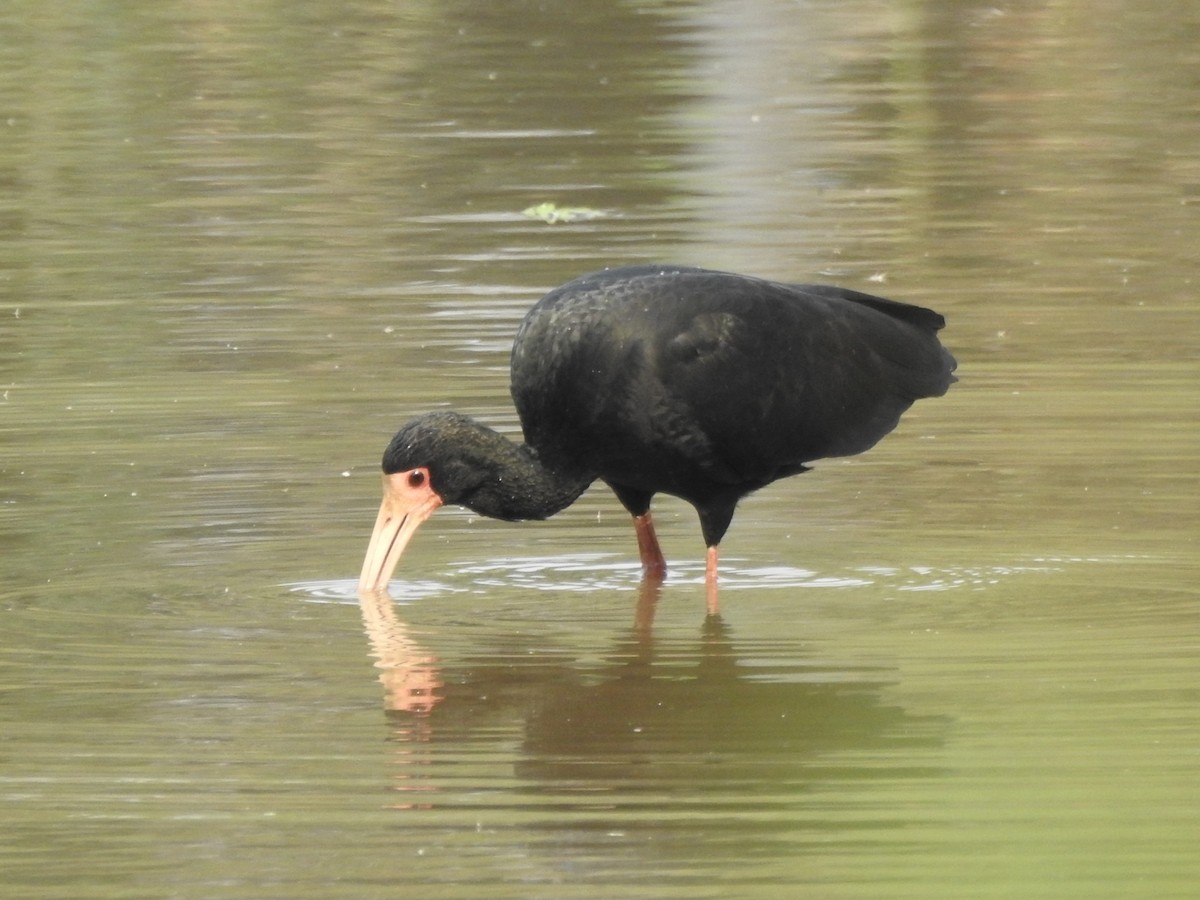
x,y
408,500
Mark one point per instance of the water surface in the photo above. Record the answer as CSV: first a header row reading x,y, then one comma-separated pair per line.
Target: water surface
x,y
241,245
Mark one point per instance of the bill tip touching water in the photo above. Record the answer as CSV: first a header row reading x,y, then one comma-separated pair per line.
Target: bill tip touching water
x,y
701,384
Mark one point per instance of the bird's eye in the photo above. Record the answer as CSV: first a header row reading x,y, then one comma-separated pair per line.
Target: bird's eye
x,y
416,478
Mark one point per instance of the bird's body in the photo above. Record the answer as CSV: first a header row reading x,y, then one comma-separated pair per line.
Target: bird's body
x,y
665,379
708,386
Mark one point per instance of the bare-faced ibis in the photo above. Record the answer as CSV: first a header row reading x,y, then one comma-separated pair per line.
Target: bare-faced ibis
x,y
666,379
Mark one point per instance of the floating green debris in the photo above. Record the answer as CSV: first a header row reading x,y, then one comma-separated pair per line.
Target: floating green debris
x,y
551,213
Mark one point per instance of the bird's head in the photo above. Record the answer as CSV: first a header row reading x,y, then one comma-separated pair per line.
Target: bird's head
x,y
446,457
428,462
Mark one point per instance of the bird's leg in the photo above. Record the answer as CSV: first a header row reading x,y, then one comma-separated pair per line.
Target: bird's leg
x,y
654,566
710,581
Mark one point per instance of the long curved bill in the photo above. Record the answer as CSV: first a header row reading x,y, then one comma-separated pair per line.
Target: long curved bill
x,y
403,510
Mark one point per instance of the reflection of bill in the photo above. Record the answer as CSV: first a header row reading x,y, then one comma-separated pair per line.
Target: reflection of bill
x,y
409,675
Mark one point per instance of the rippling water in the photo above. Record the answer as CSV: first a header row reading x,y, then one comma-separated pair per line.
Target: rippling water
x,y
240,245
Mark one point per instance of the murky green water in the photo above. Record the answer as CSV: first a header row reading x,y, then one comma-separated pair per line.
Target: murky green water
x,y
239,245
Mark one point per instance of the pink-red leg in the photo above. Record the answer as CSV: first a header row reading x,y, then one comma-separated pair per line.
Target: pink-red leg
x,y
710,581
654,566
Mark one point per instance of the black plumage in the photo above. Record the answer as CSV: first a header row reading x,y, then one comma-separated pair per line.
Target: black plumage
x,y
666,379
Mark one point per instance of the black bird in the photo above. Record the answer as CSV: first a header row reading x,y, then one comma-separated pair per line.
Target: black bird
x,y
667,379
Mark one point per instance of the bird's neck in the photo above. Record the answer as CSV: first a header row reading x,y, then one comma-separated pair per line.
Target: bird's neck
x,y
520,485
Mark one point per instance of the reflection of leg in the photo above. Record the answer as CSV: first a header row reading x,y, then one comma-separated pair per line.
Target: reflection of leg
x,y
643,620
653,564
710,582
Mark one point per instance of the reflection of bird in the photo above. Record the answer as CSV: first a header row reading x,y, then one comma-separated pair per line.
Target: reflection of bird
x,y
664,713
705,385
411,678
